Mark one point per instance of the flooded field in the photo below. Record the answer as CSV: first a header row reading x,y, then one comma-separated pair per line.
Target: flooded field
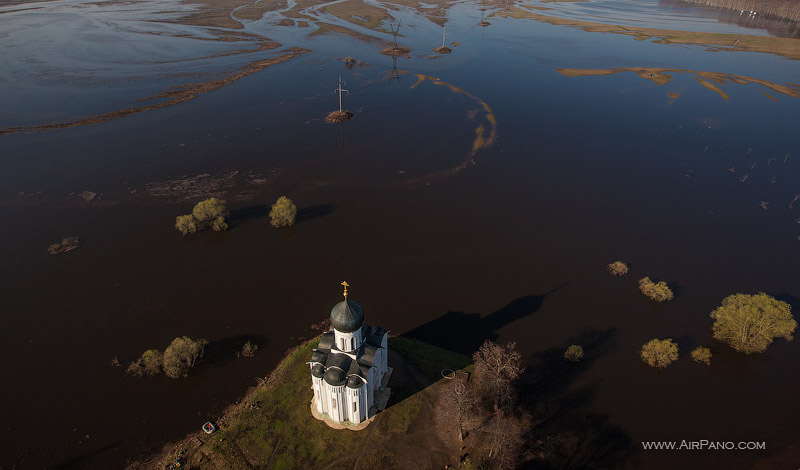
x,y
478,194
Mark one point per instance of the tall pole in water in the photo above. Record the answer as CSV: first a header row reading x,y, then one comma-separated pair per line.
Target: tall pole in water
x,y
444,31
340,90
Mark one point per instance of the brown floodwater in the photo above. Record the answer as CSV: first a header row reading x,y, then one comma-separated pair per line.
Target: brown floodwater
x,y
439,238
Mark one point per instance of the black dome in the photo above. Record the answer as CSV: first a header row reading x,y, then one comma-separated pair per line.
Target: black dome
x,y
354,381
335,376
318,370
347,316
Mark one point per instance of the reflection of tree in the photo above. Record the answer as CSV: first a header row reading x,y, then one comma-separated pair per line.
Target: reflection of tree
x,y
565,433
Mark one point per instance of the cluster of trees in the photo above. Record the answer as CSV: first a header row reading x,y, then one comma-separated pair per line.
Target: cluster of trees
x,y
660,353
175,361
747,323
486,407
210,213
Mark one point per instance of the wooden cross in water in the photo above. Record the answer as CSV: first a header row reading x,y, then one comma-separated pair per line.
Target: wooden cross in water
x,y
346,285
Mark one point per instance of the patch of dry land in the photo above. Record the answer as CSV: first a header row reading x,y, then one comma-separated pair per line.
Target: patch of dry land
x,y
709,80
786,47
176,95
272,426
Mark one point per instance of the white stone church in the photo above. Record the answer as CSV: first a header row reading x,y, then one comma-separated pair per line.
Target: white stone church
x,y
349,366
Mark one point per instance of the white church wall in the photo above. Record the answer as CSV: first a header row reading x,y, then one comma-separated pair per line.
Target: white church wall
x,y
319,393
347,342
385,346
370,387
355,405
337,401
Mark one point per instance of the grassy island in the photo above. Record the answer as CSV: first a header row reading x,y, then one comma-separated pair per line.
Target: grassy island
x,y
272,426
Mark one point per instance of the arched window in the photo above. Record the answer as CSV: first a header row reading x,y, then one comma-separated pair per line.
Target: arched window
x,y
352,343
341,340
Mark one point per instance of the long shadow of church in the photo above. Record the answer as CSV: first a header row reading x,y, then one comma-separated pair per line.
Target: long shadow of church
x,y
561,413
455,332
465,332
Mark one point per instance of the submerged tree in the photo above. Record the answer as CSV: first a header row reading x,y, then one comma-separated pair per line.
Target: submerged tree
x,y
749,323
659,352
283,212
701,354
574,353
496,368
148,363
249,349
655,291
618,268
210,213
181,355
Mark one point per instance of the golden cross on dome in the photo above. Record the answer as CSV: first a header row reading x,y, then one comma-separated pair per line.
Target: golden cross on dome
x,y
346,285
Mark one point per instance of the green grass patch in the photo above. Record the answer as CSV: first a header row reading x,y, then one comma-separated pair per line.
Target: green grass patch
x,y
427,359
281,433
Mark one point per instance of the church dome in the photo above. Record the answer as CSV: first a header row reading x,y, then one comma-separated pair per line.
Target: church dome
x,y
354,381
335,376
318,371
347,316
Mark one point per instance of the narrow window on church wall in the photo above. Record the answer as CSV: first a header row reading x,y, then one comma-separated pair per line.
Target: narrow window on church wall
x,y
352,343
341,340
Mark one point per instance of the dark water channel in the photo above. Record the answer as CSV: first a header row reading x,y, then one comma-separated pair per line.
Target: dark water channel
x,y
509,242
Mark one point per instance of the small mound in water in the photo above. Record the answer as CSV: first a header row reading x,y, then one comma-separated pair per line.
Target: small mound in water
x,y
484,23
337,117
396,51
443,50
66,244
